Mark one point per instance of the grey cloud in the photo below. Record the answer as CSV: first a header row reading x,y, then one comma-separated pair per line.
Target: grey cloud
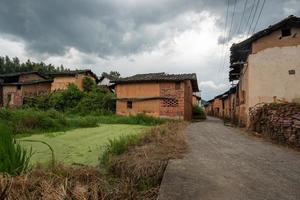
x,y
112,27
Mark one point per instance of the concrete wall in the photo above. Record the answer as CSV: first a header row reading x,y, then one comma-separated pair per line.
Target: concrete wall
x,y
62,82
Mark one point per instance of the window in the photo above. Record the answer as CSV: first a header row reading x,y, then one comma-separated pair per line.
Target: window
x,y
129,104
19,87
172,102
177,85
286,32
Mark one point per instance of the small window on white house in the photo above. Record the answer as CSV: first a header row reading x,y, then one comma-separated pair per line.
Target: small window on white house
x,y
286,32
129,104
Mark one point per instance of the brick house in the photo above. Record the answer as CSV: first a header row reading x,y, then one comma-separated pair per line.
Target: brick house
x,y
61,80
156,94
16,86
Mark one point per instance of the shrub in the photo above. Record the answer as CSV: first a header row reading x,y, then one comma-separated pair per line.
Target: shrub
x,y
96,102
198,113
13,158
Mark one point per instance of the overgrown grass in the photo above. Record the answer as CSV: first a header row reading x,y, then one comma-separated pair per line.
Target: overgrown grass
x,y
117,146
13,158
140,119
26,121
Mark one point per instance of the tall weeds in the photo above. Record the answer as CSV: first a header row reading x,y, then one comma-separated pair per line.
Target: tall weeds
x,y
13,158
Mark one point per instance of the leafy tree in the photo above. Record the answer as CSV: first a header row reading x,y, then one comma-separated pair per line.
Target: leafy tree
x,y
88,84
112,74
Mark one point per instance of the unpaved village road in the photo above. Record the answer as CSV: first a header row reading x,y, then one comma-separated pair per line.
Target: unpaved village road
x,y
225,163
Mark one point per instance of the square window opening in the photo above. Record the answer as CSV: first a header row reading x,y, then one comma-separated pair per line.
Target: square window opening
x,y
19,87
129,104
286,32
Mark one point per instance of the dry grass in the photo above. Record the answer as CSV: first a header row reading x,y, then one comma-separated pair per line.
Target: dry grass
x,y
135,174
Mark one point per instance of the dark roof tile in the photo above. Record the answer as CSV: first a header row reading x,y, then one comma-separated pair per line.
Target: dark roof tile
x,y
162,77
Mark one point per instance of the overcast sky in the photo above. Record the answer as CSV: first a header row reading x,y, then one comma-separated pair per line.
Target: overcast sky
x,y
136,36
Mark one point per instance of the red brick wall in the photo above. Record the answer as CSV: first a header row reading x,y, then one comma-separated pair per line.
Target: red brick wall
x,y
172,107
188,102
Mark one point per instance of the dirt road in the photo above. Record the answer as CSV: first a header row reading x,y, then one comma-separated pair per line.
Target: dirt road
x,y
225,163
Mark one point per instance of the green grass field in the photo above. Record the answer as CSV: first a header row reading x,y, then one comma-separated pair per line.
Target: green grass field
x,y
79,146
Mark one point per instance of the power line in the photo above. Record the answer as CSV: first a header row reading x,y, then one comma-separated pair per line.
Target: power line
x,y
240,25
262,7
257,4
231,23
224,35
252,7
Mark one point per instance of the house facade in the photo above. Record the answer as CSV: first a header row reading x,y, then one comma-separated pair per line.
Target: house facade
x,y
156,94
265,69
15,87
61,80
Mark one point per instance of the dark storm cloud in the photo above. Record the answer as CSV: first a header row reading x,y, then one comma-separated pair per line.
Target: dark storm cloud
x,y
112,27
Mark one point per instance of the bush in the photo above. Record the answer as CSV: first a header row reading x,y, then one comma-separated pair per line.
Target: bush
x,y
198,113
96,102
93,101
13,158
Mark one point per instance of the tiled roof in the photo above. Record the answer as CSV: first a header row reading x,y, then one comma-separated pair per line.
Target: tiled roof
x,y
17,74
163,77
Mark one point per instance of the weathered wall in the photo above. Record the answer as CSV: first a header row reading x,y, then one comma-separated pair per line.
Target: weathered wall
x,y
188,104
195,101
174,107
270,78
178,106
142,90
30,77
275,40
35,89
62,82
266,76
15,96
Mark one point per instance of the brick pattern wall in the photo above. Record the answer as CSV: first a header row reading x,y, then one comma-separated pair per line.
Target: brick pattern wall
x,y
172,108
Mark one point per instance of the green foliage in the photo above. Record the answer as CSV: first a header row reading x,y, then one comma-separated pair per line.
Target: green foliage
x,y
117,147
88,84
13,158
198,112
22,121
97,101
79,121
141,119
8,65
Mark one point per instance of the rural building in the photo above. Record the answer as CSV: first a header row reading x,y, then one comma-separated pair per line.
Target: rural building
x,y
267,66
156,94
17,86
61,80
196,100
106,82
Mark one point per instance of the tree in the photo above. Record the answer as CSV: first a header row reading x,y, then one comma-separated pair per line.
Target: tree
x,y
88,84
112,74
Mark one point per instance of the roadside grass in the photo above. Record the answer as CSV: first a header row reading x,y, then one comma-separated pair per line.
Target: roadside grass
x,y
79,146
135,168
